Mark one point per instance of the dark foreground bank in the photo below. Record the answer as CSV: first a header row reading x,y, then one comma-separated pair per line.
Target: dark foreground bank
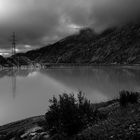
x,y
121,120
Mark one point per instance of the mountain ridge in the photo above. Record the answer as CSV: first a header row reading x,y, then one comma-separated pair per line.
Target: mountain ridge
x,y
118,45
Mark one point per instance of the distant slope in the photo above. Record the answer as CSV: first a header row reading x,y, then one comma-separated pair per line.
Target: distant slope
x,y
113,46
72,49
4,62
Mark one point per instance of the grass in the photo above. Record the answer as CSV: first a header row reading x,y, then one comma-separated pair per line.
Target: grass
x,y
127,97
122,124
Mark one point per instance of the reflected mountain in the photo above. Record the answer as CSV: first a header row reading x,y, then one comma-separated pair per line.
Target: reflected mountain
x,y
96,82
15,72
107,81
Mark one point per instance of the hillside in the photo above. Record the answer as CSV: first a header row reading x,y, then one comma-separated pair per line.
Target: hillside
x,y
73,49
113,46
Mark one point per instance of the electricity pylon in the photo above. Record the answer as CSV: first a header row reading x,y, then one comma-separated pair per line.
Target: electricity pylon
x,y
13,41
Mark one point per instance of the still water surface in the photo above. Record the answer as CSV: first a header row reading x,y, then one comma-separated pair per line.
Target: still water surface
x,y
25,93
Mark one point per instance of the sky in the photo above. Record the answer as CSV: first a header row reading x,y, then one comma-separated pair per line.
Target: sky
x,y
41,22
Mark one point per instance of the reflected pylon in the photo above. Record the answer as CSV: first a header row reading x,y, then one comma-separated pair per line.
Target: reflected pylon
x,y
14,84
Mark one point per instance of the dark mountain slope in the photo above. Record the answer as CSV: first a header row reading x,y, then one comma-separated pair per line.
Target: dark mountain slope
x,y
3,61
69,50
121,46
18,60
113,46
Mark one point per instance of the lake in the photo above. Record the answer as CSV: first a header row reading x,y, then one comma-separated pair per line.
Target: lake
x,y
26,93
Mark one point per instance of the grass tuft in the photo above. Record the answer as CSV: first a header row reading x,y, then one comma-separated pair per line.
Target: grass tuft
x,y
127,97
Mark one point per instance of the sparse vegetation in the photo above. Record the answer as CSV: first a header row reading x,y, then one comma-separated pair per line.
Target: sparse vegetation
x,y
128,97
75,118
69,115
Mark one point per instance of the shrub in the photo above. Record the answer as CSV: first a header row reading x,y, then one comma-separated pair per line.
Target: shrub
x,y
68,115
128,97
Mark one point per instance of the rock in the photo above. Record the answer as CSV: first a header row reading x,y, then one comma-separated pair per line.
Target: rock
x,y
44,136
33,134
24,136
112,137
36,137
36,129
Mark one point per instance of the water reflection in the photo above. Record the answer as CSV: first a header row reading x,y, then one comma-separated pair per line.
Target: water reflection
x,y
98,82
107,81
13,74
13,83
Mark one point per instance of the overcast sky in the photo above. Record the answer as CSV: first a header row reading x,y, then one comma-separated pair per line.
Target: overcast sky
x,y
39,22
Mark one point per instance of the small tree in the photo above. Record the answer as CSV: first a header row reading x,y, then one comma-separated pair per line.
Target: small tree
x,y
68,115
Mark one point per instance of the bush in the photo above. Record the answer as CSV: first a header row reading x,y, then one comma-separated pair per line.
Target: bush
x,y
68,115
128,97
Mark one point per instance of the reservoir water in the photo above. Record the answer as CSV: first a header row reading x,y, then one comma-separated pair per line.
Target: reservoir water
x,y
26,93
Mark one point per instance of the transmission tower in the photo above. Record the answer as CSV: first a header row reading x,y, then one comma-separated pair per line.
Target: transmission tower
x,y
13,41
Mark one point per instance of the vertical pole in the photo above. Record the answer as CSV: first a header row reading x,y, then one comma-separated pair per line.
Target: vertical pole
x,y
13,43
14,83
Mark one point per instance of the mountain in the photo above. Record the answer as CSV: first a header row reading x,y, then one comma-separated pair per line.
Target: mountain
x,y
4,62
120,45
19,60
68,50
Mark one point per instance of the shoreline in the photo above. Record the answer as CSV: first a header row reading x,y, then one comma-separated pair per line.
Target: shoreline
x,y
65,65
35,119
98,105
120,120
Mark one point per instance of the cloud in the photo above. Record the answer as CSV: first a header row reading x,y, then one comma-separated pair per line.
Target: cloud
x,y
108,13
38,22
